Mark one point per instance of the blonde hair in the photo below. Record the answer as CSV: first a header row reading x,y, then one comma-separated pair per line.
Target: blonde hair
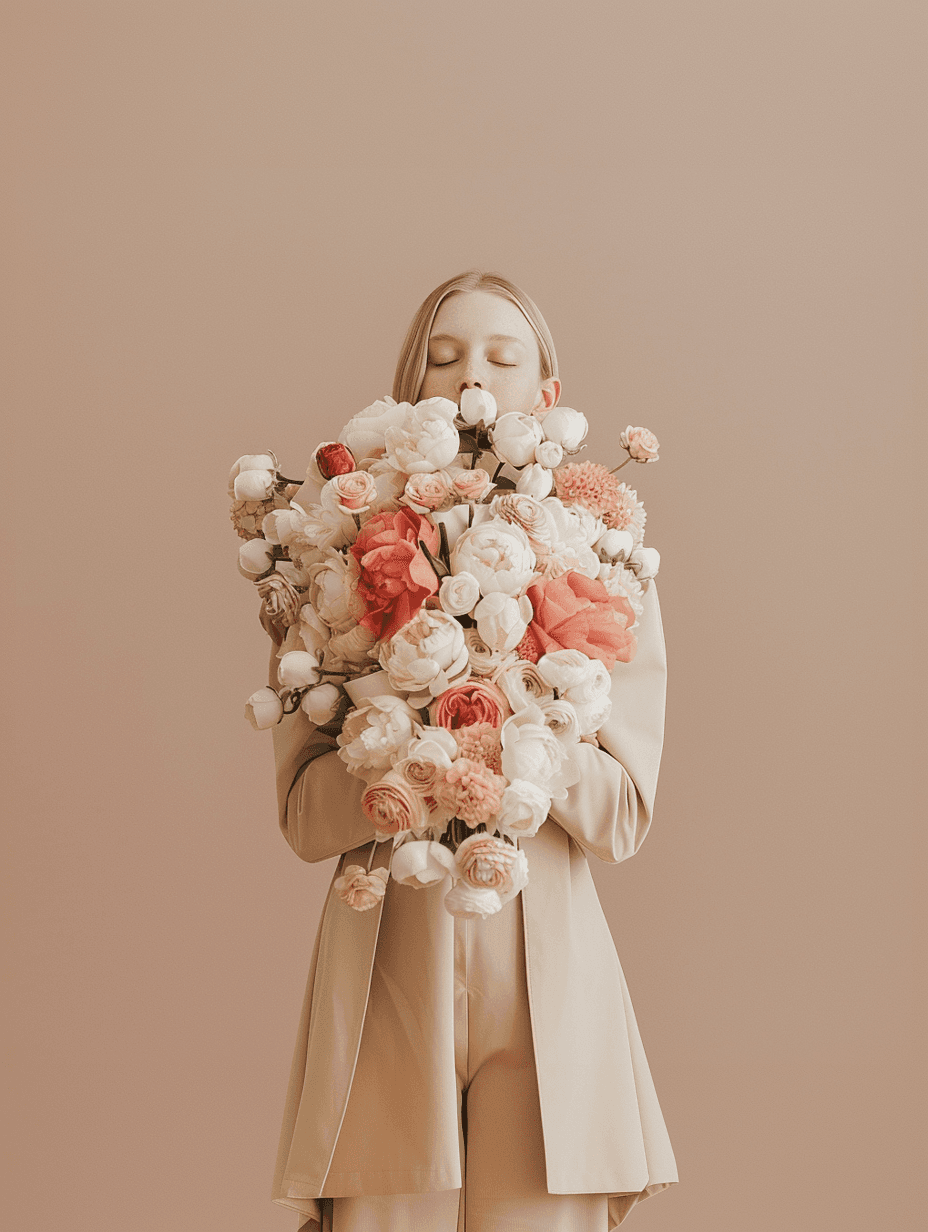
x,y
410,368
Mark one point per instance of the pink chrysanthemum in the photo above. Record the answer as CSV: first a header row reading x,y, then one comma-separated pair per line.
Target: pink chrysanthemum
x,y
471,790
590,484
481,742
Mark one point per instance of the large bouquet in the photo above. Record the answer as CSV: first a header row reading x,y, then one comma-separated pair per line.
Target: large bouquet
x,y
451,609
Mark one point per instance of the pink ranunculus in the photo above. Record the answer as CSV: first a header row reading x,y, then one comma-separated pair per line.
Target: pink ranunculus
x,y
395,577
641,444
474,701
360,889
470,790
393,806
487,862
574,612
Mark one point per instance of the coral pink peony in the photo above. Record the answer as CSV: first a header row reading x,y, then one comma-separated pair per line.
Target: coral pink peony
x,y
471,791
574,612
475,701
395,577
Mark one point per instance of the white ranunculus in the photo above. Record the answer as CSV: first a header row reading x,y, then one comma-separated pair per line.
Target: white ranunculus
x,y
531,751
467,902
264,709
478,406
593,714
483,659
459,594
251,462
566,428
427,440
373,733
421,863
536,480
561,718
498,554
321,703
329,591
364,432
549,453
297,669
523,809
515,437
522,685
502,620
255,557
254,485
531,514
645,562
569,669
426,657
614,545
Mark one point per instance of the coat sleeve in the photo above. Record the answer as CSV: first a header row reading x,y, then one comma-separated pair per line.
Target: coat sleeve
x,y
319,802
609,810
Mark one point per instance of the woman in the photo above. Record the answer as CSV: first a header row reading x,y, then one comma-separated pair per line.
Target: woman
x,y
485,1073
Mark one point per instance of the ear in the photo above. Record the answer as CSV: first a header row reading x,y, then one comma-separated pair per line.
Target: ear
x,y
548,394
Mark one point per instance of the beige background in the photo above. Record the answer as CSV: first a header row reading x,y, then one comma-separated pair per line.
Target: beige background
x,y
222,216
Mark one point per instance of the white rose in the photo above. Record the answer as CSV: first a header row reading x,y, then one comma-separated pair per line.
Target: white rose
x,y
321,703
427,439
523,809
426,657
420,863
566,428
515,437
264,709
614,545
352,493
253,485
549,453
498,554
459,593
478,406
255,557
502,620
251,462
283,525
645,562
485,661
364,433
428,492
536,480
522,685
467,902
531,751
373,733
297,669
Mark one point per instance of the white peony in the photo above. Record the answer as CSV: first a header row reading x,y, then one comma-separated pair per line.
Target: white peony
x,y
253,485
549,454
502,620
421,863
427,440
321,703
373,733
565,427
498,554
515,437
467,902
426,657
478,406
329,591
536,480
523,809
264,709
645,562
298,669
255,557
364,433
614,545
531,751
251,462
459,594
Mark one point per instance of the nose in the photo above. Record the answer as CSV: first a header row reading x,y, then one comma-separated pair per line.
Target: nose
x,y
470,383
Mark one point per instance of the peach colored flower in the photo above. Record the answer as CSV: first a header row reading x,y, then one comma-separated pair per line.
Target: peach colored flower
x,y
641,444
481,742
361,889
575,612
428,492
393,806
487,862
353,492
475,701
395,577
471,485
471,791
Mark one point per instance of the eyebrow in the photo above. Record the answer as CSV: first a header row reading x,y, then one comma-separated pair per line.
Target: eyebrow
x,y
492,338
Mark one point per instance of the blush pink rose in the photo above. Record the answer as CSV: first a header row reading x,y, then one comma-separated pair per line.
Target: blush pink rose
x,y
395,577
361,889
352,492
475,701
574,612
393,806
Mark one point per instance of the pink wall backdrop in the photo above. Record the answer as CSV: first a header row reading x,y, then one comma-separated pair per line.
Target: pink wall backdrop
x,y
220,218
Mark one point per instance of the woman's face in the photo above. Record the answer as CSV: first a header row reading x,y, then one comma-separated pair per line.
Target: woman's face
x,y
483,341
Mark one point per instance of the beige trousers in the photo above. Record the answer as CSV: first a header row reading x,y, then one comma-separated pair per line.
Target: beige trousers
x,y
502,1148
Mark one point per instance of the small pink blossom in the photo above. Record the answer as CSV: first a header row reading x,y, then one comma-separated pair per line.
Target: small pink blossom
x,y
360,889
471,791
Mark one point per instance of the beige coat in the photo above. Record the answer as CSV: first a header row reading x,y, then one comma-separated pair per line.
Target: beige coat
x,y
603,1128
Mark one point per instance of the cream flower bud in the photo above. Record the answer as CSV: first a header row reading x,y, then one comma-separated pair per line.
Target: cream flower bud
x,y
536,480
614,545
321,703
502,620
297,669
459,593
645,562
422,863
515,437
478,406
549,453
255,557
253,485
251,462
264,709
566,428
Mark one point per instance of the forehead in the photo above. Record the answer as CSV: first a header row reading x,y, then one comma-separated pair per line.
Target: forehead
x,y
478,315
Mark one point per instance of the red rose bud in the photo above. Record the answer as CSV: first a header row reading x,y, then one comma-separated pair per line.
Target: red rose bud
x,y
331,459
